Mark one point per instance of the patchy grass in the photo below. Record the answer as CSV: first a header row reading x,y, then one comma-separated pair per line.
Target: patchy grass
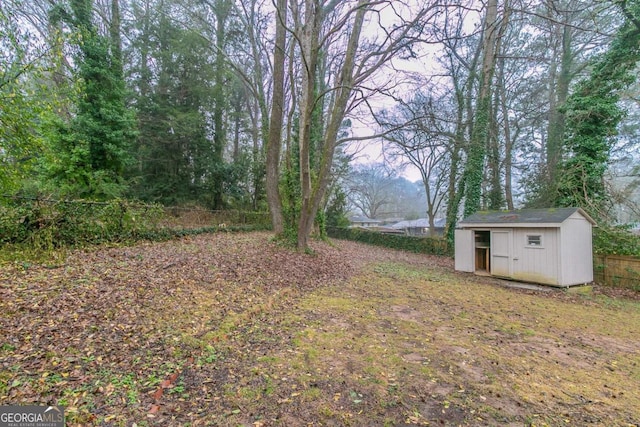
x,y
229,330
403,344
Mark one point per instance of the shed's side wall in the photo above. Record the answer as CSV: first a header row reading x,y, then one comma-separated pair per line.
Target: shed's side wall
x,y
576,251
536,264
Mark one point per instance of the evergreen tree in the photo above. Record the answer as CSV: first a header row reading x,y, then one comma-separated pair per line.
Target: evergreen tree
x,y
593,114
173,86
92,150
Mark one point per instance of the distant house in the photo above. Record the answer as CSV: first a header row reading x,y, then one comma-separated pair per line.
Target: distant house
x,y
390,221
363,222
420,227
548,246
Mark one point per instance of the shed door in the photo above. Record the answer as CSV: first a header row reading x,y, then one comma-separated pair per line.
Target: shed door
x,y
464,250
501,247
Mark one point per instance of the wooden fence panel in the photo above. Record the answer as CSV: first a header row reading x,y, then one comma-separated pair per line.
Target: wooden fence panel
x,y
617,270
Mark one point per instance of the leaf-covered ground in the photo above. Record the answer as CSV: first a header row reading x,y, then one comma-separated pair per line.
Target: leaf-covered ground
x,y
232,329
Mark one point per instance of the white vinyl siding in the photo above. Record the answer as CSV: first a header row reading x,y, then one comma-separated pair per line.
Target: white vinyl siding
x,y
577,256
536,263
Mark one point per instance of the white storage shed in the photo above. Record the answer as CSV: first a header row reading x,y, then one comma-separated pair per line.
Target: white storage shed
x,y
547,246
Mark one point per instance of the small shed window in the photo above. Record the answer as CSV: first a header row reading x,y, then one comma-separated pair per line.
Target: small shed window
x,y
534,240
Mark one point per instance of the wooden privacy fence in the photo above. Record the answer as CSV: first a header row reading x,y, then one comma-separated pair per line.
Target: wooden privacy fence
x,y
617,270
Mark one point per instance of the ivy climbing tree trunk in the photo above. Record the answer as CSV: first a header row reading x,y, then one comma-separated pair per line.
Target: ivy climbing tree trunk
x,y
495,197
454,197
474,168
463,81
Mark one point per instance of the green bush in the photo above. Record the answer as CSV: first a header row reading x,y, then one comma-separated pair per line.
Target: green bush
x,y
51,224
48,224
423,245
615,241
12,227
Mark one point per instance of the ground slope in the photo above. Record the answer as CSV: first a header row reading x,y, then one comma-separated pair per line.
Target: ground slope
x,y
232,329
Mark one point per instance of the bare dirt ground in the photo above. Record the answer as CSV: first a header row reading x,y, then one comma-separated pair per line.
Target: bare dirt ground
x,y
234,330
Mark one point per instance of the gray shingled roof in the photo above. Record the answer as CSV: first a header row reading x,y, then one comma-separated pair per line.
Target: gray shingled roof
x,y
524,216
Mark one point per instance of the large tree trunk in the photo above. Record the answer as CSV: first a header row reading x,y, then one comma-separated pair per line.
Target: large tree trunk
x,y
494,194
219,137
474,169
309,52
313,193
508,139
274,141
261,116
558,93
454,192
464,126
497,190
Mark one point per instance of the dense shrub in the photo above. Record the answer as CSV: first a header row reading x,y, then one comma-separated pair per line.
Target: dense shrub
x,y
12,224
615,241
423,245
49,224
606,240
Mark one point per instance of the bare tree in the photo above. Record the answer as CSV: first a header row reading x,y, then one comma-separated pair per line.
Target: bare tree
x,y
425,141
369,188
333,30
